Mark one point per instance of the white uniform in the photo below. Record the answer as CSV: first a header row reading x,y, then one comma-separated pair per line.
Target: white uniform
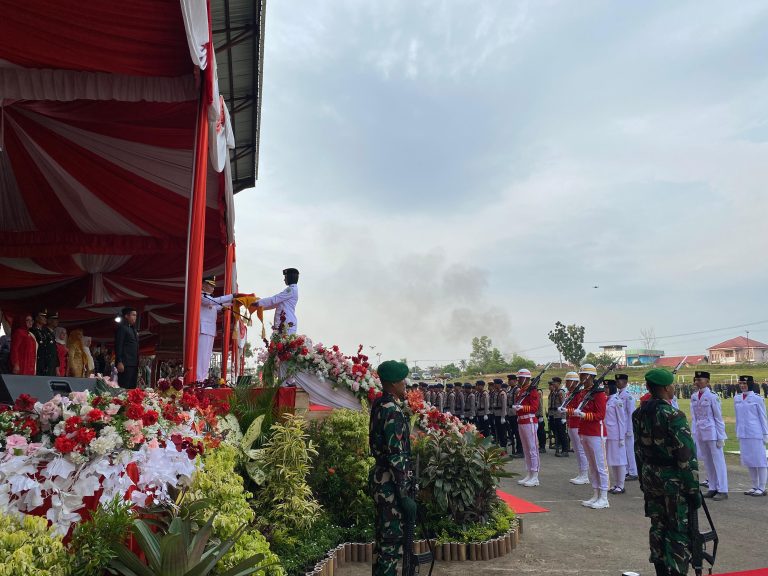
x,y
628,402
752,430
708,428
284,302
209,308
616,433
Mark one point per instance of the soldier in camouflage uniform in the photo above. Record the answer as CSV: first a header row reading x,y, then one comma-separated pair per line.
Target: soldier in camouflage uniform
x,y
669,478
391,481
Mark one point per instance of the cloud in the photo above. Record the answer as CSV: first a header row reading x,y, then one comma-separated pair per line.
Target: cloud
x,y
440,170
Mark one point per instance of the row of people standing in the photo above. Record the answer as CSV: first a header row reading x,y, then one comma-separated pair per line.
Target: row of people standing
x,y
41,347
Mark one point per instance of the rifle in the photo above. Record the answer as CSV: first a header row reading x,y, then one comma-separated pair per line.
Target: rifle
x,y
595,386
411,560
680,365
698,540
533,384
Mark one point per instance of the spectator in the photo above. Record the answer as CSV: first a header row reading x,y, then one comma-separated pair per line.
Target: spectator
x,y
24,349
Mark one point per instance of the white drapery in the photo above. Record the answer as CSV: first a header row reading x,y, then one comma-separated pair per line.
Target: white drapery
x,y
322,392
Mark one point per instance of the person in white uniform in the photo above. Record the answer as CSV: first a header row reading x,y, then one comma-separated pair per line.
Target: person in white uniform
x,y
628,402
615,437
284,303
708,429
210,306
571,381
752,432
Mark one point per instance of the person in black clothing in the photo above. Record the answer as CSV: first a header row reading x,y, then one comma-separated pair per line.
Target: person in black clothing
x,y
47,354
765,389
127,349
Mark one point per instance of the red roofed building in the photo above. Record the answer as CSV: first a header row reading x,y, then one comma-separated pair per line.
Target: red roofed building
x,y
737,350
673,361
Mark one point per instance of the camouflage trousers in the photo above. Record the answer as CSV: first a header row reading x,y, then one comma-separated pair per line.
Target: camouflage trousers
x,y
669,537
389,529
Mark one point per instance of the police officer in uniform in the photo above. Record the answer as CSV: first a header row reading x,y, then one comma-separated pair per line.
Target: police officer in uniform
x,y
470,404
557,420
669,478
482,408
459,402
500,413
210,307
127,349
440,396
391,479
450,399
47,354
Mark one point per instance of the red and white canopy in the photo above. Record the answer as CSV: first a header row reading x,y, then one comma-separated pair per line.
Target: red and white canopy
x,y
98,121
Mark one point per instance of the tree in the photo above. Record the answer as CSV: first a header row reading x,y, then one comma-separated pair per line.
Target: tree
x,y
452,369
601,359
518,362
569,341
247,350
484,358
648,336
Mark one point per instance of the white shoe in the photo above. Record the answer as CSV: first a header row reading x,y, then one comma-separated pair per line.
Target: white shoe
x,y
595,497
581,479
533,481
601,502
524,480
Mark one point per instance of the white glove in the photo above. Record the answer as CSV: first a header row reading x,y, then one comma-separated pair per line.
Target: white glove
x,y
579,413
765,438
720,444
563,420
517,408
562,410
628,434
621,443
485,417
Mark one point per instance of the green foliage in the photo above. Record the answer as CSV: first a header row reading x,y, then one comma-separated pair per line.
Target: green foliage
x,y
218,484
93,542
602,359
519,362
458,476
499,522
484,358
28,547
182,549
286,500
300,550
569,341
247,406
339,476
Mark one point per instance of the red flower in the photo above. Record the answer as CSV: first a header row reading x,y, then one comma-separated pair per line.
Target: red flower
x,y
164,385
85,435
135,411
304,351
149,418
72,423
331,471
177,384
24,403
95,415
136,396
30,425
64,444
189,401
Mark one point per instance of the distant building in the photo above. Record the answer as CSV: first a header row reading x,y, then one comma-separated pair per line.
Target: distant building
x,y
673,361
616,351
737,350
642,356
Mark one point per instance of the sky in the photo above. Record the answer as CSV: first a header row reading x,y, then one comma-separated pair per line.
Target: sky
x,y
440,170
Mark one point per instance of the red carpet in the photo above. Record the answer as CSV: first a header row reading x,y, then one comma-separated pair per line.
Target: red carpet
x,y
520,506
319,408
758,572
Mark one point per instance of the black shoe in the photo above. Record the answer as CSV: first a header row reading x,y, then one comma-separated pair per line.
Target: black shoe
x,y
710,494
564,455
519,455
558,454
542,450
617,490
630,477
720,496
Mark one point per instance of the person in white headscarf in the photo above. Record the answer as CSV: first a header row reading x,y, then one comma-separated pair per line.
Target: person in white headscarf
x,y
87,346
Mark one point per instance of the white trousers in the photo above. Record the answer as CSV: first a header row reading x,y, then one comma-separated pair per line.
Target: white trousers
x,y
578,449
594,449
714,461
204,351
759,477
530,445
629,446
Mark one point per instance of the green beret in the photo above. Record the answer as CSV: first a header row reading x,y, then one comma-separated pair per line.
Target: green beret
x,y
659,377
392,371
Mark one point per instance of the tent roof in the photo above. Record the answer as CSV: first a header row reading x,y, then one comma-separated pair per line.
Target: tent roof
x,y
99,110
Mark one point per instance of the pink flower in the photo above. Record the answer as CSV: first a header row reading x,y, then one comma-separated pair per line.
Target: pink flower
x,y
14,442
133,426
50,411
33,447
137,438
153,444
79,397
112,409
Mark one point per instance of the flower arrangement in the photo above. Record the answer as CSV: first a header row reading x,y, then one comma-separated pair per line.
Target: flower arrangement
x,y
296,352
62,457
431,421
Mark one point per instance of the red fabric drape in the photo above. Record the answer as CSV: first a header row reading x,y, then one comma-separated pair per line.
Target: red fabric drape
x,y
138,37
228,315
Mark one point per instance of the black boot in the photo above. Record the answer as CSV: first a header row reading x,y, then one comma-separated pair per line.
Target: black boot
x,y
661,569
558,453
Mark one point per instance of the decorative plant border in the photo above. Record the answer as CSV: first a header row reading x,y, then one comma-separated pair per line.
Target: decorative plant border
x,y
447,552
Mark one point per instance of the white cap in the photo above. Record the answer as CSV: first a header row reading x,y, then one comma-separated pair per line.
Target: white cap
x,y
588,369
523,373
572,376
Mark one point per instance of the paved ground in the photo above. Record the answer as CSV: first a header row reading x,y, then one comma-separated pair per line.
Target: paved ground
x,y
571,539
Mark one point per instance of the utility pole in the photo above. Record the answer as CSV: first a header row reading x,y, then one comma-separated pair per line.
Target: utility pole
x,y
748,354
